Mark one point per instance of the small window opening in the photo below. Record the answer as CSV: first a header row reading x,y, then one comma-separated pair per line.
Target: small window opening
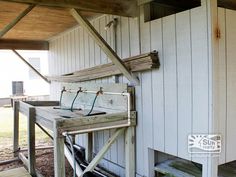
x,y
168,165
161,8
35,62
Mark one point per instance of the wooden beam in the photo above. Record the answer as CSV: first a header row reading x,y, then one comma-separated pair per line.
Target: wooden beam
x,y
142,62
31,67
16,128
104,46
23,44
31,141
16,20
116,7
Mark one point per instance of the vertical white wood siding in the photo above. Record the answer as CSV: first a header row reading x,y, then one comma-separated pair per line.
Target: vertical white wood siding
x,y
227,83
173,101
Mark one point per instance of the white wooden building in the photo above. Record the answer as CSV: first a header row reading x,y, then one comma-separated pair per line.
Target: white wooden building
x,y
192,92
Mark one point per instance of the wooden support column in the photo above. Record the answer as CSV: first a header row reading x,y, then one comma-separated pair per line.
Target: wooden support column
x,y
104,46
214,81
16,128
89,147
31,67
130,152
31,141
59,158
16,20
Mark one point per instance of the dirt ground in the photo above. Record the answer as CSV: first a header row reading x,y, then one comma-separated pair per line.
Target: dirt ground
x,y
44,162
44,158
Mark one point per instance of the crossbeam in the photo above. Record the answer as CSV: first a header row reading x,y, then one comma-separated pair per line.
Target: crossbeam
x,y
31,67
104,46
16,20
23,44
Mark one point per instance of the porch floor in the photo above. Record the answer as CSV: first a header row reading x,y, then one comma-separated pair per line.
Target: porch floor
x,y
17,172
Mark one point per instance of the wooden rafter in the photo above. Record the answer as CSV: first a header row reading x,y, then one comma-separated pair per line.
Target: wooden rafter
x,y
31,67
16,20
23,44
116,7
104,46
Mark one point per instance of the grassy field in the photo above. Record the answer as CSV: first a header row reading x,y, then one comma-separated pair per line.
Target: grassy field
x,y
6,129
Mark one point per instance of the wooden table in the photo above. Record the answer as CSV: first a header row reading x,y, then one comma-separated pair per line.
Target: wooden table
x,y
18,98
61,121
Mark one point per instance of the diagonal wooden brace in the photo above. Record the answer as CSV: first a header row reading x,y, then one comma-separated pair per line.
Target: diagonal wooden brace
x,y
104,46
16,20
103,151
31,67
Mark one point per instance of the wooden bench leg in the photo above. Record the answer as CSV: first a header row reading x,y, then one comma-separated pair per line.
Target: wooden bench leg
x,y
130,152
89,147
59,158
31,141
16,128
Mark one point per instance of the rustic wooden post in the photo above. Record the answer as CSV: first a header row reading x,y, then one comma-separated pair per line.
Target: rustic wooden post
x,y
130,152
89,147
16,128
31,141
59,158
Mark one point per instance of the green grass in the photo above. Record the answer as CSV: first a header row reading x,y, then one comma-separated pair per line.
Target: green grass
x,y
6,128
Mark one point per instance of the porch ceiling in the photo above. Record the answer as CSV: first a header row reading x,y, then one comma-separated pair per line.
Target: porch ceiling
x,y
39,24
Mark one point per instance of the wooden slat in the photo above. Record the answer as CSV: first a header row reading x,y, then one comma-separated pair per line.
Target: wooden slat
x,y
136,63
184,75
222,82
23,44
111,54
116,7
16,20
231,79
